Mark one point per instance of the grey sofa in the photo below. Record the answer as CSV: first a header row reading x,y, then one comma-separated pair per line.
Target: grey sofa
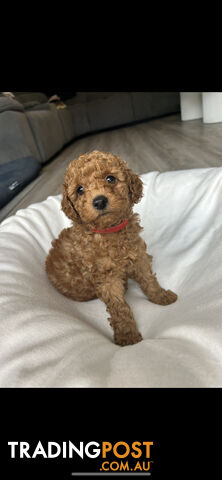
x,y
45,123
16,139
32,127
101,110
47,130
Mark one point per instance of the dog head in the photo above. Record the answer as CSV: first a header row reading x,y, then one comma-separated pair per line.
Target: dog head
x,y
99,190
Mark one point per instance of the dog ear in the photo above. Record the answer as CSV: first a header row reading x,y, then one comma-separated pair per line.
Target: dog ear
x,y
135,186
67,206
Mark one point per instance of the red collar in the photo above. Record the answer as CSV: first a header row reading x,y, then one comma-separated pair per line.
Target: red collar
x,y
112,229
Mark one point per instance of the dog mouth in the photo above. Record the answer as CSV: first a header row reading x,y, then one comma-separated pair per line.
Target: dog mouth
x,y
104,213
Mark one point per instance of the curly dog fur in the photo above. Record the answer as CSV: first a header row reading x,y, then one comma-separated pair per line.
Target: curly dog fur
x,y
99,192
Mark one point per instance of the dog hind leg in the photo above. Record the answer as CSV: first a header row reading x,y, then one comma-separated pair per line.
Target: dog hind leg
x,y
67,278
148,282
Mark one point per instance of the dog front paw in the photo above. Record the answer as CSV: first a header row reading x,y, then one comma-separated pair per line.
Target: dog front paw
x,y
163,297
172,297
127,338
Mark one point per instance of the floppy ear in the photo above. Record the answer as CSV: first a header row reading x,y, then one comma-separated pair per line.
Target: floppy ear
x,y
135,186
67,205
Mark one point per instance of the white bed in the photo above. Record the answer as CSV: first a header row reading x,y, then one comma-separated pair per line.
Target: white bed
x,y
47,340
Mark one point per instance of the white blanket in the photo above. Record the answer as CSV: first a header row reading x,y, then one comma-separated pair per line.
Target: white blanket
x,y
47,340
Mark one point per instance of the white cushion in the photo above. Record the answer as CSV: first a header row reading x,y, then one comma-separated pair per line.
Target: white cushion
x,y
47,340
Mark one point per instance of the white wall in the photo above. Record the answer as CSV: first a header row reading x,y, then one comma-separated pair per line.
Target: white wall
x,y
205,105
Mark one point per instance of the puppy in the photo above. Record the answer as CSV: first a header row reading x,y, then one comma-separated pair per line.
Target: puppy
x,y
95,257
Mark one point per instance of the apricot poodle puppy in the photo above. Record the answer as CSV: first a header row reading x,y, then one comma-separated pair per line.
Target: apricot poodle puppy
x,y
95,257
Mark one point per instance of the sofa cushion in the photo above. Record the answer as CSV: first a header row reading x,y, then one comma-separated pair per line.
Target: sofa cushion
x,y
31,104
16,137
80,121
15,175
9,103
27,97
84,97
153,104
65,117
111,111
47,130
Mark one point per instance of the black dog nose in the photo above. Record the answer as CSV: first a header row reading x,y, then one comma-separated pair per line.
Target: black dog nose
x,y
100,202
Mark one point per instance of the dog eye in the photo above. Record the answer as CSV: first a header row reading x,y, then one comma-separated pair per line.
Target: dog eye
x,y
110,179
80,190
